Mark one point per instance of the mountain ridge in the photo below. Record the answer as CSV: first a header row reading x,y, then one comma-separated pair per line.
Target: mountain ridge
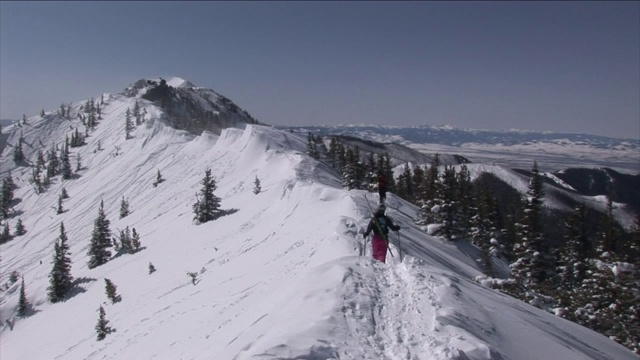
x,y
285,275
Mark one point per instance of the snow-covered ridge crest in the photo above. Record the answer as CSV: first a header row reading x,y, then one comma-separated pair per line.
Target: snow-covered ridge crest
x,y
284,275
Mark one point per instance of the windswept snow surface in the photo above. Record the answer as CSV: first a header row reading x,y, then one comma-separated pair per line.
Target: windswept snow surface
x,y
284,275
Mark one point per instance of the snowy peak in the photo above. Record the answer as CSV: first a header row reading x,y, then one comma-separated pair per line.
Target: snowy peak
x,y
178,82
191,108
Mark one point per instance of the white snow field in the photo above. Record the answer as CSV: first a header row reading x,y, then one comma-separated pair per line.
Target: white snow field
x,y
283,276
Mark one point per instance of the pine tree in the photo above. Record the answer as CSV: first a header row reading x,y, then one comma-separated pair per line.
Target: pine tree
x,y
99,252
136,113
102,328
532,253
35,180
110,289
60,208
78,162
464,200
349,171
256,186
152,268
575,253
18,154
136,245
125,245
6,196
65,163
312,148
158,180
53,164
64,194
405,187
332,153
40,162
60,278
23,303
609,232
20,229
483,227
124,208
207,206
5,235
128,125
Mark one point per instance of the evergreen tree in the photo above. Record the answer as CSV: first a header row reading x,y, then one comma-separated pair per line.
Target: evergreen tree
x,y
35,180
405,188
530,268
124,208
388,174
63,193
65,163
60,208
23,303
418,179
78,162
53,162
312,148
110,288
6,196
349,171
464,200
40,162
128,125
256,186
102,328
158,180
60,279
332,153
5,235
135,241
575,254
152,268
125,245
99,252
136,114
609,233
207,206
20,229
432,182
483,227
18,154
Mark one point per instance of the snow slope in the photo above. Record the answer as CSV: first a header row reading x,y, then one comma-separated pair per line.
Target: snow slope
x,y
284,275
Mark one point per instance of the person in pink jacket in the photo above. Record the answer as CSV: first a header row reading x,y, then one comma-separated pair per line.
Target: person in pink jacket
x,y
380,225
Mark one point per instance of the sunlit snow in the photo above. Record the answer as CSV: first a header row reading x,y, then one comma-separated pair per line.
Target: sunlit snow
x,y
283,276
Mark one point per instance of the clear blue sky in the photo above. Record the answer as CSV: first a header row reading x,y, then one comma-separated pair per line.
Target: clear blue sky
x,y
557,66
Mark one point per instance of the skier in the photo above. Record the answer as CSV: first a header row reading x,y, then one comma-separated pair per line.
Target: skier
x,y
382,187
380,225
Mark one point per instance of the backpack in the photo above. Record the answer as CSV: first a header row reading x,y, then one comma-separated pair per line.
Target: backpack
x,y
382,223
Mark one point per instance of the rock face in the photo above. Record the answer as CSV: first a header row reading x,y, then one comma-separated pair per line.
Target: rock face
x,y
191,108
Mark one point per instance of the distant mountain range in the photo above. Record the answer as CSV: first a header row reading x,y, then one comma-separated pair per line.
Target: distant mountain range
x,y
6,122
513,148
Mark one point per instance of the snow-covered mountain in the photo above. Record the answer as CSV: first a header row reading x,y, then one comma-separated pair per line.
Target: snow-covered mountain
x,y
284,275
190,107
514,148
